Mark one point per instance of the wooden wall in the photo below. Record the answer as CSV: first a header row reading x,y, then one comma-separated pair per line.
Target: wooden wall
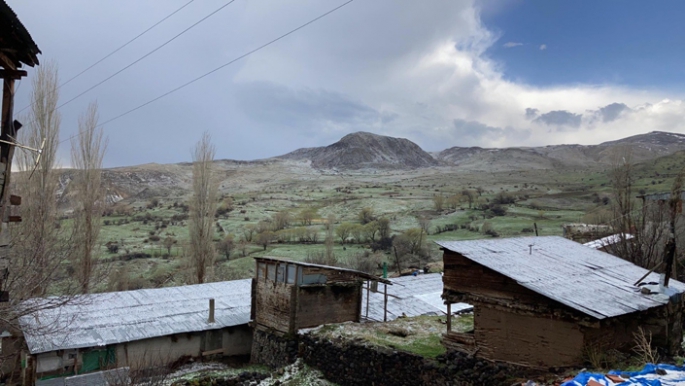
x,y
319,305
272,302
463,276
527,340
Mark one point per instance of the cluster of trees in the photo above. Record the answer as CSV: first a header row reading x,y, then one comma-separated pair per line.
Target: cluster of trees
x,y
46,258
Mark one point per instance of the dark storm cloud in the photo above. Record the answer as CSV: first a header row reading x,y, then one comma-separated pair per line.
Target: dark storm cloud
x,y
563,120
303,109
472,133
610,112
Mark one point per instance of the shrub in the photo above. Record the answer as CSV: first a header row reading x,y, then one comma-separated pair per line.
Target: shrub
x,y
112,247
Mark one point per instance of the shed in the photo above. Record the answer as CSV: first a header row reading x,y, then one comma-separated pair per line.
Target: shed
x,y
289,295
141,328
549,301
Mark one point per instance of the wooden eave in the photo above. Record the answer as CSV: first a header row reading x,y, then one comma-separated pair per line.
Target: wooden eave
x,y
359,274
16,44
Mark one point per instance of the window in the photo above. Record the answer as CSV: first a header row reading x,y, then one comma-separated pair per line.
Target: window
x,y
280,273
260,270
271,272
290,277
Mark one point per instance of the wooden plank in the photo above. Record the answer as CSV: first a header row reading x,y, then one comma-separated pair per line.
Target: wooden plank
x,y
528,340
12,74
213,352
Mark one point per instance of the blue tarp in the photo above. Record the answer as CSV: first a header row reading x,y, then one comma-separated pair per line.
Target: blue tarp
x,y
648,376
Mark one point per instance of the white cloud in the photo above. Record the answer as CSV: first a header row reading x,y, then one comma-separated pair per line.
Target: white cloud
x,y
511,44
543,47
419,71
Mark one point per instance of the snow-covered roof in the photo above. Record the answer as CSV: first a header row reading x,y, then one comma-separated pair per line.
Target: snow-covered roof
x,y
115,317
410,296
585,279
609,240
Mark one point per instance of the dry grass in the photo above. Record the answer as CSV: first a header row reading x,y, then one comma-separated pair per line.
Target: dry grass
x,y
419,335
643,347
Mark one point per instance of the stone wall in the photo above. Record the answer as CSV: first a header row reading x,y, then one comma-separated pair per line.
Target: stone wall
x,y
356,364
273,349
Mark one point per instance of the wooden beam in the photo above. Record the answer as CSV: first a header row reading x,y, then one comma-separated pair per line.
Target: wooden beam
x,y
368,289
385,303
12,74
6,62
213,352
449,317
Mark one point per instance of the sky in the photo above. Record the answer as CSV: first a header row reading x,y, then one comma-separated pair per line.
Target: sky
x,y
489,73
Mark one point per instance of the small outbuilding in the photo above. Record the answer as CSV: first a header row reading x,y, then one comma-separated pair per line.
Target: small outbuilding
x,y
549,301
290,295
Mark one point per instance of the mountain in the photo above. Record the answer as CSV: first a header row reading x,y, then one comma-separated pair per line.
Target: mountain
x,y
380,153
365,150
641,147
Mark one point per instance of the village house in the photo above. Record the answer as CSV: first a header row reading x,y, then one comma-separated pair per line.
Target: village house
x,y
548,301
138,329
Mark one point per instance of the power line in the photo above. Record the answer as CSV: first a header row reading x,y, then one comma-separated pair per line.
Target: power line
x,y
127,43
146,55
219,68
118,49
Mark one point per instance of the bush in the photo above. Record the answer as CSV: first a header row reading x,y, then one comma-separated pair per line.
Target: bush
x,y
112,247
503,198
498,210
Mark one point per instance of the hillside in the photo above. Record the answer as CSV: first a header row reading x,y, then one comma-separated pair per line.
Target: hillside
x,y
642,147
382,156
365,150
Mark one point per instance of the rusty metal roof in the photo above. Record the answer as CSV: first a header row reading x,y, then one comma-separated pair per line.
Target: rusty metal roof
x,y
15,41
115,317
362,275
587,280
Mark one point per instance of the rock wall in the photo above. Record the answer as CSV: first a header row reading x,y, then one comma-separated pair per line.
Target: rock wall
x,y
273,349
355,364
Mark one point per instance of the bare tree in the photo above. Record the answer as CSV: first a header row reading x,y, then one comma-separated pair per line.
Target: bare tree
x,y
202,210
35,241
87,151
649,225
38,253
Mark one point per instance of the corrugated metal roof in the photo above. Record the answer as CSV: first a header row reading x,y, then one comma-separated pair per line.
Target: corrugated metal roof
x,y
609,240
590,281
360,274
410,296
115,317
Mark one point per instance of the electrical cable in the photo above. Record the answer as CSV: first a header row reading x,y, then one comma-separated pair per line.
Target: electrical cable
x,y
118,49
217,68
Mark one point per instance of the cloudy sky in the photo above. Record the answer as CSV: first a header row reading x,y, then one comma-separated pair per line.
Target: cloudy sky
x,y
441,73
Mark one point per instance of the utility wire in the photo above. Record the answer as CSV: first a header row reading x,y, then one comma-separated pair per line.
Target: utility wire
x,y
146,55
127,43
118,49
218,68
